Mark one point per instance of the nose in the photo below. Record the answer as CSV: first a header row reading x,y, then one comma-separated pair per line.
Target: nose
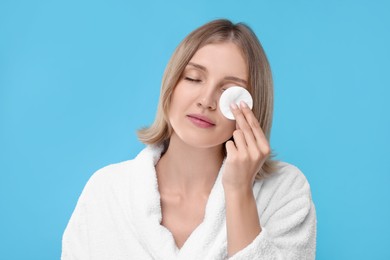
x,y
207,100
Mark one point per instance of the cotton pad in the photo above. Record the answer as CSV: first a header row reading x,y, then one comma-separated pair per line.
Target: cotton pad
x,y
234,95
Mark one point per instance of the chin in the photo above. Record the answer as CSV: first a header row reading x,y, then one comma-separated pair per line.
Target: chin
x,y
204,143
203,140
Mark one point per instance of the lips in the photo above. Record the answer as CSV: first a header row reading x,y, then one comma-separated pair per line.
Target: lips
x,y
201,120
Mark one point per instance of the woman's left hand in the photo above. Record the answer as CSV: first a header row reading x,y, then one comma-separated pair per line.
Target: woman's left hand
x,y
248,152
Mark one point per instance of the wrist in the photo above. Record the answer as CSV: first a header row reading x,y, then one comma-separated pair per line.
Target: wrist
x,y
238,192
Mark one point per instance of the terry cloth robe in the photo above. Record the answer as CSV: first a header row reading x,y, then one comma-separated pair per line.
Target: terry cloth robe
x,y
118,216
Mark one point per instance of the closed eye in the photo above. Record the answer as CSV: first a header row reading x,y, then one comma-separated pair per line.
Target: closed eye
x,y
192,79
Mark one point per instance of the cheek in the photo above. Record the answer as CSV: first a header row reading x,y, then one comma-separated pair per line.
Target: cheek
x,y
229,127
180,96
179,103
175,102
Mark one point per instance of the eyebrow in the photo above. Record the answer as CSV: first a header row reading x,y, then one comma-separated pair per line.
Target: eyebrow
x,y
197,66
232,78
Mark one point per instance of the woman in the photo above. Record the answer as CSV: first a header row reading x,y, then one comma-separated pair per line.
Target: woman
x,y
205,186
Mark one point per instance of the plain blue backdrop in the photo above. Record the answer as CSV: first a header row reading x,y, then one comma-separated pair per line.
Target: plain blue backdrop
x,y
78,78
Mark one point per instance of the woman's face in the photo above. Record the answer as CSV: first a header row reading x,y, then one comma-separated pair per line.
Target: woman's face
x,y
194,112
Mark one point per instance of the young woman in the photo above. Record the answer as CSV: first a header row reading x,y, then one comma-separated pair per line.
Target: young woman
x,y
205,187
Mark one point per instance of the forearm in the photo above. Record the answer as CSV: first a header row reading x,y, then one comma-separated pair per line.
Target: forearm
x,y
242,220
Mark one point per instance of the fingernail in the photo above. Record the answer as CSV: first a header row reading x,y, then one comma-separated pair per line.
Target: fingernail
x,y
243,104
233,106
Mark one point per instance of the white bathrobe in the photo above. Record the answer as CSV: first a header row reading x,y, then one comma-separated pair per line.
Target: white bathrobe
x,y
118,216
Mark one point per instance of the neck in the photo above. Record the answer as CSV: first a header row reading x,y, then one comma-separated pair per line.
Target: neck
x,y
188,170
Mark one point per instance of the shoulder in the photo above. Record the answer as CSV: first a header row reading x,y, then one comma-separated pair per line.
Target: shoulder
x,y
286,185
121,175
286,176
289,172
108,178
112,172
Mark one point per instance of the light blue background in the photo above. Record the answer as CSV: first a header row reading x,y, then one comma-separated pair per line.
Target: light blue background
x,y
77,78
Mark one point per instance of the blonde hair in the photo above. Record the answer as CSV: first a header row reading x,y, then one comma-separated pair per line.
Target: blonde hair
x,y
260,79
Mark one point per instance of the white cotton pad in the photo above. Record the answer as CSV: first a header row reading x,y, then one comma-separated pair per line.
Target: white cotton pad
x,y
234,95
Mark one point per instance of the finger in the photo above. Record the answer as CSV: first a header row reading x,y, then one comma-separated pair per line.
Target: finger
x,y
258,133
240,141
249,116
243,125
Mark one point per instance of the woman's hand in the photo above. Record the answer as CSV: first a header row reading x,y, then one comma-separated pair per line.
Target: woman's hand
x,y
248,152
245,156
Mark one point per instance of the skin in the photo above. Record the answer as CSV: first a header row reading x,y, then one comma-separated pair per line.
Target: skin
x,y
187,171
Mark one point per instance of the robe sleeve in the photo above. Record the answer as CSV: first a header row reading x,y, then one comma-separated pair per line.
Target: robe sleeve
x,y
75,242
289,228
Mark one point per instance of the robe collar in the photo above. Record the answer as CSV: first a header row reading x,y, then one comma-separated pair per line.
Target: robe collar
x,y
208,238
